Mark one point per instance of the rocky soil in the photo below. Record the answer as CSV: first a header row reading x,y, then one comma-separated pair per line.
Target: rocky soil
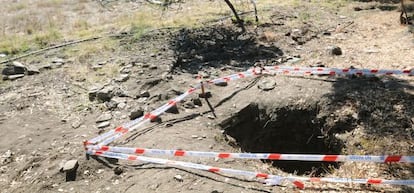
x,y
50,103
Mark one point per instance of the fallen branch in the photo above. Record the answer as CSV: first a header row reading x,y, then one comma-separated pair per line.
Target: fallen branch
x,y
49,48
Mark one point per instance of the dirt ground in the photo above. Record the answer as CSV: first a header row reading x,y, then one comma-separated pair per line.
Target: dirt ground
x,y
44,118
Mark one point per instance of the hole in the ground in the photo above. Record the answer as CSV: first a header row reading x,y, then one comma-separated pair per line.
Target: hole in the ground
x,y
284,130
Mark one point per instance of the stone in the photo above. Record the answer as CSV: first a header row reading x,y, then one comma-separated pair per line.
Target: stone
x,y
122,78
125,70
105,94
76,124
101,63
267,85
334,50
6,158
103,124
70,168
174,91
151,82
96,67
142,100
118,171
15,68
58,61
171,93
92,93
293,60
13,77
173,110
197,101
45,67
120,93
136,113
204,75
166,76
153,67
189,105
118,99
144,94
18,65
104,117
222,83
58,65
111,105
205,95
179,178
358,9
70,165
121,105
32,70
211,116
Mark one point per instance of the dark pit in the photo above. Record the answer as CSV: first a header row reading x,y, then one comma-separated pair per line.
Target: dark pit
x,y
293,130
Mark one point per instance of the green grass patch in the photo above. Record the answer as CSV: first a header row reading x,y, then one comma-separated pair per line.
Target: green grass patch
x,y
46,39
14,44
17,44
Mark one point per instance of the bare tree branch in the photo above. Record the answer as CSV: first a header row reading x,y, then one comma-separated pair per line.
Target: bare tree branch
x,y
238,20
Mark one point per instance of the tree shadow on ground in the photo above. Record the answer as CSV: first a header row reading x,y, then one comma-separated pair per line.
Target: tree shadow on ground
x,y
383,107
385,5
219,46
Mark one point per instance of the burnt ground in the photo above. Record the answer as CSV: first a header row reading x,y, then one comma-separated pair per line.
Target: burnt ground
x,y
44,118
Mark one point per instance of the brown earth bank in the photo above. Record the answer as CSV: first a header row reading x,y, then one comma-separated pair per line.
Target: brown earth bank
x,y
79,91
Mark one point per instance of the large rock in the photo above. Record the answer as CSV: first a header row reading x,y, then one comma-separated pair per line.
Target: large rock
x,y
105,94
136,113
15,68
334,50
70,165
70,168
93,92
267,85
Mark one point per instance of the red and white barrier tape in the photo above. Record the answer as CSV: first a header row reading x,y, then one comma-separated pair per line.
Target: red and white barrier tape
x,y
342,71
269,178
108,137
268,156
112,135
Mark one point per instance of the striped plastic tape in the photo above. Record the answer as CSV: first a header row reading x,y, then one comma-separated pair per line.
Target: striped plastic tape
x,y
269,178
268,156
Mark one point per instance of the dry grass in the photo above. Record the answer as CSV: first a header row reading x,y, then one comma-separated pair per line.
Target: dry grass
x,y
30,24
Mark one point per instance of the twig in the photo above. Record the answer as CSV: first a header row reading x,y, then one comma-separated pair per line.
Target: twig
x,y
255,11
